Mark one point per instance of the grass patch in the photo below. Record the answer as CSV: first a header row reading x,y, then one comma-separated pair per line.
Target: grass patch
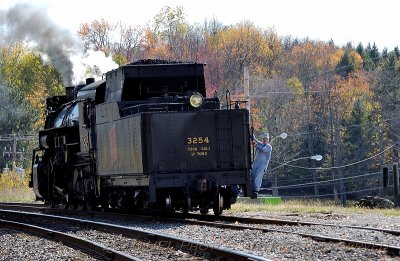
x,y
310,206
14,188
17,195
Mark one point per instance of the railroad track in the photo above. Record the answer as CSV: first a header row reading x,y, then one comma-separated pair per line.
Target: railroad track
x,y
280,222
240,223
159,240
79,243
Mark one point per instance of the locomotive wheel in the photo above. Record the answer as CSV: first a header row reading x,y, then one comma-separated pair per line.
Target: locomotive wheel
x,y
88,206
104,206
79,205
188,206
71,204
218,205
168,204
203,210
65,205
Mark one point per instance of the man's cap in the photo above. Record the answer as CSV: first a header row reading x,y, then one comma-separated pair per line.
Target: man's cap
x,y
265,135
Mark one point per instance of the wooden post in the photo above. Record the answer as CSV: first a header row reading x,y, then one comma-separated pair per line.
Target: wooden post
x,y
246,86
396,185
274,184
385,180
246,92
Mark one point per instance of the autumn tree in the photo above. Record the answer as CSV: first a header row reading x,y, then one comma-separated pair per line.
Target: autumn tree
x,y
97,35
164,37
25,81
239,46
350,62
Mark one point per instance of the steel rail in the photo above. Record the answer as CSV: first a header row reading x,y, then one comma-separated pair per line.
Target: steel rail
x,y
232,219
23,206
196,219
157,238
390,249
281,222
70,240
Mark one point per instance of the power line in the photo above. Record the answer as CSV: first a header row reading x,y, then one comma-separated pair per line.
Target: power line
x,y
339,193
320,177
321,182
14,139
337,167
342,127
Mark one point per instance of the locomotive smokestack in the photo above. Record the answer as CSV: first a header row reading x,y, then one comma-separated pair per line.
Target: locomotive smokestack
x,y
69,92
89,81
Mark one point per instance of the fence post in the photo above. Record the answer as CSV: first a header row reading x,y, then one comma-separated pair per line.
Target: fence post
x,y
275,184
396,184
385,180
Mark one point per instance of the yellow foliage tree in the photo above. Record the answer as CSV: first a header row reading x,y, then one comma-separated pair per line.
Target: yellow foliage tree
x,y
28,80
348,90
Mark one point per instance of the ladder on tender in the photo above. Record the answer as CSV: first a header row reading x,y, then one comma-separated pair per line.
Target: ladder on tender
x,y
225,155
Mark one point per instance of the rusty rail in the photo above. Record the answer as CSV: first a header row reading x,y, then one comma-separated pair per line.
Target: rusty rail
x,y
159,239
73,241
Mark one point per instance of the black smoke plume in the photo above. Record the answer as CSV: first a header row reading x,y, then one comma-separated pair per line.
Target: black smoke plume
x,y
24,22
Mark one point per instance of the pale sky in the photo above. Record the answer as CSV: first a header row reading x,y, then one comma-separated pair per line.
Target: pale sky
x,y
341,20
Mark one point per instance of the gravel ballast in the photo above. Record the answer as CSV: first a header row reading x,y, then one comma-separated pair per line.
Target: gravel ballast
x,y
271,245
15,245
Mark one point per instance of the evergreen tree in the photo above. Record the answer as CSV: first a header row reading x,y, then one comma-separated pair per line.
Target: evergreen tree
x,y
384,53
360,49
357,144
347,64
357,135
368,64
397,51
391,62
374,54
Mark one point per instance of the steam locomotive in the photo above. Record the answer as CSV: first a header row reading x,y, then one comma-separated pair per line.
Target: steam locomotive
x,y
144,138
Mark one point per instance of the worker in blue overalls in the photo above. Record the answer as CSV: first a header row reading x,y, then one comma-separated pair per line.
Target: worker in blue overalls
x,y
260,164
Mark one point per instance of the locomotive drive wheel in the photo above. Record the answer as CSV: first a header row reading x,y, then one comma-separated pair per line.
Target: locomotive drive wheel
x,y
65,204
203,210
104,206
88,206
79,205
186,207
218,206
168,204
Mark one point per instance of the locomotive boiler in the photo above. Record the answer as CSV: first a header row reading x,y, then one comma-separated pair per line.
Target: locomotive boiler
x,y
144,138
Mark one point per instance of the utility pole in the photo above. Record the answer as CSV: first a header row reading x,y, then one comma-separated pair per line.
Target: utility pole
x,y
396,184
385,181
246,91
13,152
247,87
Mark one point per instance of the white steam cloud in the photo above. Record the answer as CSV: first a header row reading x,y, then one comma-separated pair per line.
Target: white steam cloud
x,y
91,64
62,49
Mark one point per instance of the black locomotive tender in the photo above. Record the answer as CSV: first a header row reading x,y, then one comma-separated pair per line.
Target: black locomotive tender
x,y
145,138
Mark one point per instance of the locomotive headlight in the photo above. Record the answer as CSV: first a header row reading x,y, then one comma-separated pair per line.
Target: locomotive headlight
x,y
196,100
